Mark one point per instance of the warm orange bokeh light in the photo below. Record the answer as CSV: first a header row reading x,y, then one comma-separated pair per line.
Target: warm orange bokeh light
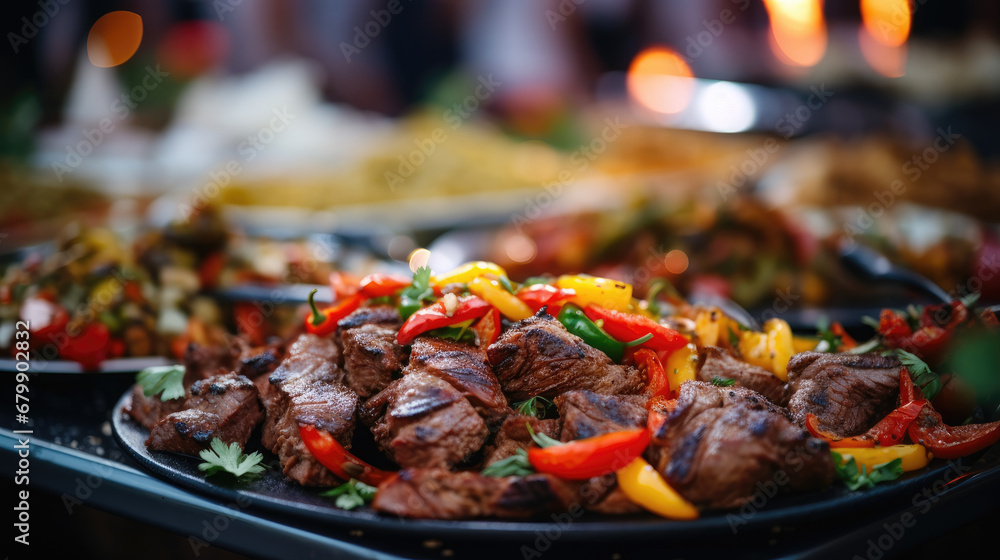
x,y
676,261
114,38
887,21
660,79
886,60
798,30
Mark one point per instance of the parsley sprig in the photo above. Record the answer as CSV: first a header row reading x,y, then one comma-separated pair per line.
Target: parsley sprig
x,y
351,494
166,381
855,477
230,459
928,381
412,298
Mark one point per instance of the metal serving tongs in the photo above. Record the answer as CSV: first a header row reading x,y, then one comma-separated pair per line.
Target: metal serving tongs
x,y
872,265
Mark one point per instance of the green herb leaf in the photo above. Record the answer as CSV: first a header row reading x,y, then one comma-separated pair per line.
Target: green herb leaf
x,y
734,339
412,298
230,459
167,381
865,347
855,478
535,406
542,440
721,382
828,342
458,334
515,465
505,282
351,494
537,280
871,322
929,382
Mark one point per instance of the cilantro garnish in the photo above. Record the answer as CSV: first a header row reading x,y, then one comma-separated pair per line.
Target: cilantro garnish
x,y
927,380
351,494
230,459
167,381
856,478
412,298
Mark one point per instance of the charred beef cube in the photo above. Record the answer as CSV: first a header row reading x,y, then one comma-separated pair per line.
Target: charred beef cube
x,y
715,362
440,494
586,414
538,356
202,362
150,410
514,435
307,388
848,393
720,445
423,421
382,315
225,407
371,358
466,369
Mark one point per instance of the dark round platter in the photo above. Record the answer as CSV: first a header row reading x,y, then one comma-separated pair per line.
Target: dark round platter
x,y
273,492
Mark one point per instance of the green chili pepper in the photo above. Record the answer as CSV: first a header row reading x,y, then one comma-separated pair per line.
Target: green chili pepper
x,y
573,318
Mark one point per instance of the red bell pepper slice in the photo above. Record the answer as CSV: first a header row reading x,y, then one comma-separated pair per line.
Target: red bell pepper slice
x,y
487,329
889,431
590,457
435,316
627,326
333,456
538,296
657,384
951,442
846,341
908,391
660,409
381,285
90,347
249,322
930,339
324,323
343,284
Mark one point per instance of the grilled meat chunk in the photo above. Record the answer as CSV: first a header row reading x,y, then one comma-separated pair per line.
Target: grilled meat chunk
x,y
382,315
465,368
421,420
440,494
848,393
721,445
538,356
150,410
586,414
371,358
307,388
715,362
224,406
514,435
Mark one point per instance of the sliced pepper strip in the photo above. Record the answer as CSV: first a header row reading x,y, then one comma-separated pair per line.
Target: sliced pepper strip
x,y
333,456
657,382
381,285
487,329
951,442
647,489
913,456
577,322
590,457
889,431
603,292
467,272
324,323
626,326
681,366
538,296
436,315
498,296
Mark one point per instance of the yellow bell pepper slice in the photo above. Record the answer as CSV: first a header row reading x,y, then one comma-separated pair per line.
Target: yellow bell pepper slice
x,y
467,272
770,349
708,325
604,292
914,456
681,366
647,489
498,296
